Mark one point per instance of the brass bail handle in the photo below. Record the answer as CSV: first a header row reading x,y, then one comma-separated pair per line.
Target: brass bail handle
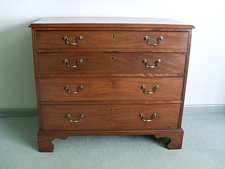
x,y
72,119
153,41
149,92
153,66
73,41
155,115
71,90
68,63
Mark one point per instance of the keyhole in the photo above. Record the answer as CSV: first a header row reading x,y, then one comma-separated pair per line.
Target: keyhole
x,y
114,36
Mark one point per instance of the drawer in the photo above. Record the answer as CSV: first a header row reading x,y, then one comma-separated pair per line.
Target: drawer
x,y
95,40
106,89
107,117
111,63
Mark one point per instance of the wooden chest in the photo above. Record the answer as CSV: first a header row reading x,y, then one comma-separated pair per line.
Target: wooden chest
x,y
110,76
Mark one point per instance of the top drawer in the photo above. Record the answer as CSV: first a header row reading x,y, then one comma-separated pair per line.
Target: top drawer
x,y
112,40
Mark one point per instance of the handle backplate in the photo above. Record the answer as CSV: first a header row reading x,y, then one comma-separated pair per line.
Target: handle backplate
x,y
73,41
151,66
73,90
154,115
153,41
73,119
149,92
68,63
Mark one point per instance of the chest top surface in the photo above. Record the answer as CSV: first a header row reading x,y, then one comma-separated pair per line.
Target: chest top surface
x,y
108,21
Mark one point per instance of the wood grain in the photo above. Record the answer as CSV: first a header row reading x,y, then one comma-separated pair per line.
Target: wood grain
x,y
52,64
96,89
46,137
108,117
112,73
111,40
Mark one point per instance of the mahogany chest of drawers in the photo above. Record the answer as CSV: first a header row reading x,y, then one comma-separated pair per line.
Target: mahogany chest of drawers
x,y
110,76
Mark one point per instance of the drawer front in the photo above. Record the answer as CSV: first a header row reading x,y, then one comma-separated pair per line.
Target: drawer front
x,y
111,63
111,40
99,89
107,117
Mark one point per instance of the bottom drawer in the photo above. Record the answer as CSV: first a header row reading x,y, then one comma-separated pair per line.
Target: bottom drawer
x,y
109,117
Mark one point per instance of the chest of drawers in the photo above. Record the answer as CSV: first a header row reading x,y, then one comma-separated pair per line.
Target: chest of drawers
x,y
110,76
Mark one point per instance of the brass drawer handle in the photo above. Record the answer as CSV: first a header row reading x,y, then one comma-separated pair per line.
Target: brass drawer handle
x,y
155,115
71,90
149,92
68,63
73,41
147,65
153,41
71,119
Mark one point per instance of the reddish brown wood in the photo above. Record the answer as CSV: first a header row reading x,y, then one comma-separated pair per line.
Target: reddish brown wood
x,y
111,40
112,74
95,89
110,23
185,76
175,136
80,63
112,102
45,142
109,117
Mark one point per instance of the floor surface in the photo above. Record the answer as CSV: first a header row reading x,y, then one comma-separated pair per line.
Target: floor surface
x,y
203,147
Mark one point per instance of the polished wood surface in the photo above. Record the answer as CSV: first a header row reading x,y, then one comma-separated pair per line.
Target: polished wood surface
x,y
46,137
102,77
81,63
107,117
108,20
111,40
103,23
95,89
